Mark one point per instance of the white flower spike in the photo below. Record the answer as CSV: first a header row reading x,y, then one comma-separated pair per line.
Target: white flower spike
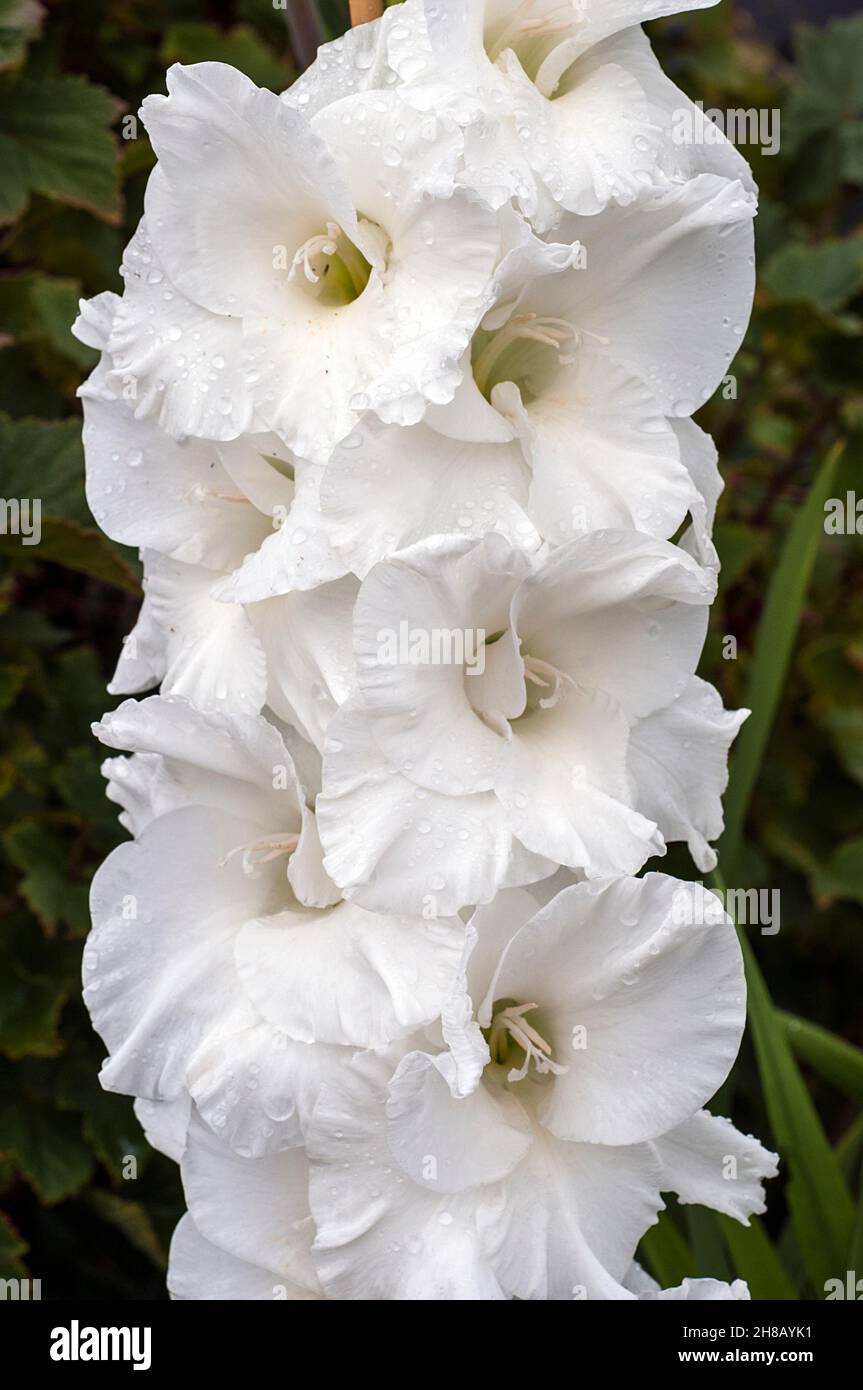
x,y
397,407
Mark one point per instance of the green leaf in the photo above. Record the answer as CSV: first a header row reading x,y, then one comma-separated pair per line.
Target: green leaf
x,y
55,139
241,47
849,1150
81,786
109,1122
841,876
825,276
845,727
47,1148
774,645
821,1209
756,1260
667,1254
69,243
42,308
855,1250
77,547
334,16
739,546
30,1007
849,1156
834,1059
37,848
77,695
34,985
45,460
131,1219
705,1238
828,89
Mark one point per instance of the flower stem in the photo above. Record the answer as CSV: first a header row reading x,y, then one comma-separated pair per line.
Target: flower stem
x,y
305,31
364,10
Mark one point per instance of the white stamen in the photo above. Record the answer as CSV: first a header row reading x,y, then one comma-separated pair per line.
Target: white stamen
x,y
550,332
262,851
538,26
534,1046
542,673
200,493
523,25
322,245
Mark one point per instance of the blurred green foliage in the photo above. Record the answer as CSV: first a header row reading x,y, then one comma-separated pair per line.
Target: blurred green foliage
x,y
70,194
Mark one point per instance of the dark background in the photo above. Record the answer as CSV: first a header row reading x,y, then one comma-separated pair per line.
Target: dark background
x,y
70,195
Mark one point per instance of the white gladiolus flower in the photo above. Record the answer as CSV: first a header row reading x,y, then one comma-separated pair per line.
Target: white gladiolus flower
x,y
246,507
290,654
507,714
528,1159
571,416
562,103
299,272
244,514
220,949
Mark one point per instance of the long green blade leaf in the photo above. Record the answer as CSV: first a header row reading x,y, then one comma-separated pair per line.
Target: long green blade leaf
x,y
818,1198
774,645
819,1201
849,1150
756,1260
855,1253
666,1253
705,1238
849,1155
833,1058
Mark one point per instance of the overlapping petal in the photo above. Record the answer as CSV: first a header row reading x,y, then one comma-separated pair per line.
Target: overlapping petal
x,y
496,698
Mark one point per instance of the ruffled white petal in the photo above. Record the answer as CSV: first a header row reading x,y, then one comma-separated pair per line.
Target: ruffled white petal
x,y
706,1160
395,486
644,1012
618,613
700,1291
147,490
667,287
347,976
213,655
310,668
396,847
678,757
254,1209
166,1124
199,1270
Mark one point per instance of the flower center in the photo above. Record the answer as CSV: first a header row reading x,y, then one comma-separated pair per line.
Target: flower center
x,y
262,851
531,35
512,352
544,677
330,268
510,1029
545,687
